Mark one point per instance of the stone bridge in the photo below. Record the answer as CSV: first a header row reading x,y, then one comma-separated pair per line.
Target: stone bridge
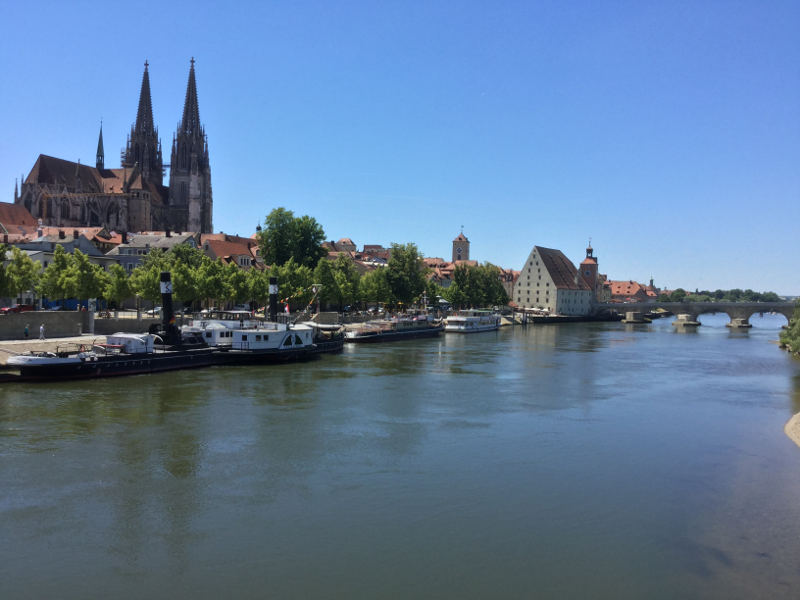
x,y
739,312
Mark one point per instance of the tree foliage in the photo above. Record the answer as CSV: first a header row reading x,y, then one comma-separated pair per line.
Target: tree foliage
x,y
22,272
405,273
287,237
790,337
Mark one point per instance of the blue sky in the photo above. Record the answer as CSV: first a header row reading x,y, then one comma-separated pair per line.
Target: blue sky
x,y
668,132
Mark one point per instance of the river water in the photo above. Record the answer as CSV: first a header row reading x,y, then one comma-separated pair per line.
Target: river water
x,y
571,461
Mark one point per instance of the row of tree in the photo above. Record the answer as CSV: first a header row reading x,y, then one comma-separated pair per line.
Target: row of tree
x,y
734,295
198,280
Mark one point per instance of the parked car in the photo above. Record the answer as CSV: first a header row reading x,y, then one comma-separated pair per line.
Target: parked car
x,y
17,309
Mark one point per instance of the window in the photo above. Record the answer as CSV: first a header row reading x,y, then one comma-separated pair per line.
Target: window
x,y
297,340
288,341
258,338
244,337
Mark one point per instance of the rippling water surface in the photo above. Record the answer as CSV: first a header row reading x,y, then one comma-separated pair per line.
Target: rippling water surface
x,y
572,461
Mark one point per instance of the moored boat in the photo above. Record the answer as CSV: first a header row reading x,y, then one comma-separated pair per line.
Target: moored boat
x,y
472,321
397,328
121,354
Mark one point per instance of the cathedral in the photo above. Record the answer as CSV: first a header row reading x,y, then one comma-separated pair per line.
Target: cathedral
x,y
133,197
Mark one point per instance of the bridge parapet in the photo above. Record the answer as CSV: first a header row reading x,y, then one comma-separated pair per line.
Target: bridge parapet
x,y
738,312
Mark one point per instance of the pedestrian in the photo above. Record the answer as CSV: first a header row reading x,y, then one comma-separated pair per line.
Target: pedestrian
x,y
27,325
41,331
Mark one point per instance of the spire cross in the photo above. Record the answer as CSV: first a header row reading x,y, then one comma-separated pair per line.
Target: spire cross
x,y
192,61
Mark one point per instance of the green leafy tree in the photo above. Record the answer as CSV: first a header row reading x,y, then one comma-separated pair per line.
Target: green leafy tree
x,y
118,287
236,280
406,273
294,283
212,282
284,237
84,279
790,337
22,272
457,293
258,284
145,279
52,280
375,287
324,275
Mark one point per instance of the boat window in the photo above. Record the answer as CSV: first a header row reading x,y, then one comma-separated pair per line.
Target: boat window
x,y
288,341
208,334
258,338
297,340
244,337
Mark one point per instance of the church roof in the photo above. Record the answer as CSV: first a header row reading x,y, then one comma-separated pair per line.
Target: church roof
x,y
561,270
461,238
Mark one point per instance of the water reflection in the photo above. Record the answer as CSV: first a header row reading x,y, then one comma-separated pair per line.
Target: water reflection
x,y
585,450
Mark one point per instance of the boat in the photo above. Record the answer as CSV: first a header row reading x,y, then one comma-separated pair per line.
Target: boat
x,y
472,321
121,354
253,341
397,328
328,339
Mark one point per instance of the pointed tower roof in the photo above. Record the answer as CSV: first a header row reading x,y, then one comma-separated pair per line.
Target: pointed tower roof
x,y
101,155
144,116
190,122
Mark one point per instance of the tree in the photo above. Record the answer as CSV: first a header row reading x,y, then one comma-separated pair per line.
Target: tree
x,y
211,281
258,284
347,280
405,273
294,283
118,286
84,279
457,293
285,237
236,280
145,279
3,276
323,275
374,287
51,283
22,273
790,337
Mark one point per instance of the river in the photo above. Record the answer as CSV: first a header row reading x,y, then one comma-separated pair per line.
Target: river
x,y
573,461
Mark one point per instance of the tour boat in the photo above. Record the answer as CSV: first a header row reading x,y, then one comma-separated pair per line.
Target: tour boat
x,y
472,321
121,354
397,328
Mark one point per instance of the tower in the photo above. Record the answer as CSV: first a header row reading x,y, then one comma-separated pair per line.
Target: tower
x,y
100,152
143,147
589,269
190,175
460,247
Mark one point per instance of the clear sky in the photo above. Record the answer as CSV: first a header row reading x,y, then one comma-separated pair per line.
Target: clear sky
x,y
668,132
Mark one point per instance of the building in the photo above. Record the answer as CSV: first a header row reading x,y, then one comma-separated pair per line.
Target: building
x,y
131,252
631,291
460,247
16,223
64,193
549,281
235,249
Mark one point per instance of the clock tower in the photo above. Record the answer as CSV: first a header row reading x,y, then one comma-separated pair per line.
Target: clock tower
x,y
460,247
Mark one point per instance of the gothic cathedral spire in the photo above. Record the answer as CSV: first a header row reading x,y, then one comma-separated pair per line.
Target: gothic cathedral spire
x,y
143,147
190,173
100,152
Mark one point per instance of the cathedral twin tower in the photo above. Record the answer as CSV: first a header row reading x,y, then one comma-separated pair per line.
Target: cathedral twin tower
x,y
133,197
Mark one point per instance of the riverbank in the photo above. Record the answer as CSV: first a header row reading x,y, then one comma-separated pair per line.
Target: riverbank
x,y
792,429
10,347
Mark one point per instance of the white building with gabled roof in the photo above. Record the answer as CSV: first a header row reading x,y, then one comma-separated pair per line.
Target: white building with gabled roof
x,y
549,281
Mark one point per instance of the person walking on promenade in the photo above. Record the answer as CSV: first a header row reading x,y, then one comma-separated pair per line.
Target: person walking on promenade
x,y
27,325
41,331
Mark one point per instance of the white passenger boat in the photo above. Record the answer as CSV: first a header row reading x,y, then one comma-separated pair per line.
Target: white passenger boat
x,y
472,321
242,339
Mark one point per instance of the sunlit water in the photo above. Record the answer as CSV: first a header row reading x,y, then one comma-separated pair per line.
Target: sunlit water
x,y
572,461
